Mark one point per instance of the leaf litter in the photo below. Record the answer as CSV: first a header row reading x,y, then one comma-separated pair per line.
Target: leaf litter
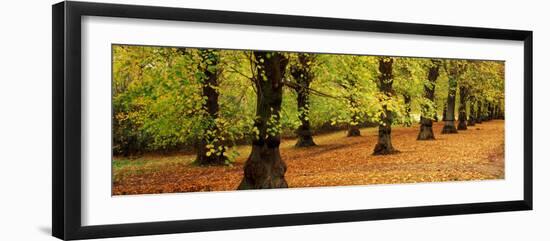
x,y
337,160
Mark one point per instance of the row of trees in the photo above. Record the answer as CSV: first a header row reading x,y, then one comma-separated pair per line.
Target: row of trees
x,y
212,100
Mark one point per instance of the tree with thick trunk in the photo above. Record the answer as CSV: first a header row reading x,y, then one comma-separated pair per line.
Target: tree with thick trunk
x,y
385,85
303,75
462,116
264,168
426,131
444,112
472,113
449,114
209,148
479,113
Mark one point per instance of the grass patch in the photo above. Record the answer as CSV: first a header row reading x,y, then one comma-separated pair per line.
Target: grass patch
x,y
121,163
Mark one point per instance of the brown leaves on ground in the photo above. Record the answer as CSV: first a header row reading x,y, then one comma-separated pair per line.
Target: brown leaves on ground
x,y
474,154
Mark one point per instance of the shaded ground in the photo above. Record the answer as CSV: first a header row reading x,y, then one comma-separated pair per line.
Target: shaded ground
x,y
338,160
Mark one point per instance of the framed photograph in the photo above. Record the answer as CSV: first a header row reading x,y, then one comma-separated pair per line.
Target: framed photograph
x,y
171,120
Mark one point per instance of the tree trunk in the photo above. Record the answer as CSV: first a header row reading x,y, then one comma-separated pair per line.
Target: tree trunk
x,y
353,129
449,116
479,113
484,112
499,113
264,168
462,117
408,118
472,114
210,149
426,131
496,111
303,75
489,111
444,113
304,132
385,85
436,118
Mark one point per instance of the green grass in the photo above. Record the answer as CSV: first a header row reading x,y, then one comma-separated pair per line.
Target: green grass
x,y
157,162
121,163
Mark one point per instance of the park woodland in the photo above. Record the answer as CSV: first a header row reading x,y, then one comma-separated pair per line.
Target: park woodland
x,y
198,119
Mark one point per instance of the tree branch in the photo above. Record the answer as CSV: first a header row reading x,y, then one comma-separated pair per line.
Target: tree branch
x,y
297,87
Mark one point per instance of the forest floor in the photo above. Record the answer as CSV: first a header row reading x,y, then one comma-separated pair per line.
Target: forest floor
x,y
474,154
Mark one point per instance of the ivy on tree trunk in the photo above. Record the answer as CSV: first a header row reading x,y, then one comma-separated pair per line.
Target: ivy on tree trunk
x,y
408,107
210,149
303,75
385,85
264,168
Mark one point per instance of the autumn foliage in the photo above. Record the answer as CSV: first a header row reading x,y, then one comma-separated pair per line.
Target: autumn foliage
x,y
188,119
476,154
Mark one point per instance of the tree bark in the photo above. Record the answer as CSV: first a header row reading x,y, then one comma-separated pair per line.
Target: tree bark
x,y
499,113
303,75
472,114
408,119
489,112
496,111
385,85
264,168
444,112
304,132
426,131
462,116
449,116
485,115
353,129
479,113
208,152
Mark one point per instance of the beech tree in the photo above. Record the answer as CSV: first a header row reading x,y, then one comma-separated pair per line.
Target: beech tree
x,y
409,78
210,150
462,115
467,80
472,113
385,85
351,78
264,167
428,106
301,70
208,103
453,69
479,112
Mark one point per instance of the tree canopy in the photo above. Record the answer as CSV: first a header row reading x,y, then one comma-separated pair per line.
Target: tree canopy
x,y
163,97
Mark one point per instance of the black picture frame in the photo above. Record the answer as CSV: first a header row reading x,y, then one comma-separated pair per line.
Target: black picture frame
x,y
66,197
